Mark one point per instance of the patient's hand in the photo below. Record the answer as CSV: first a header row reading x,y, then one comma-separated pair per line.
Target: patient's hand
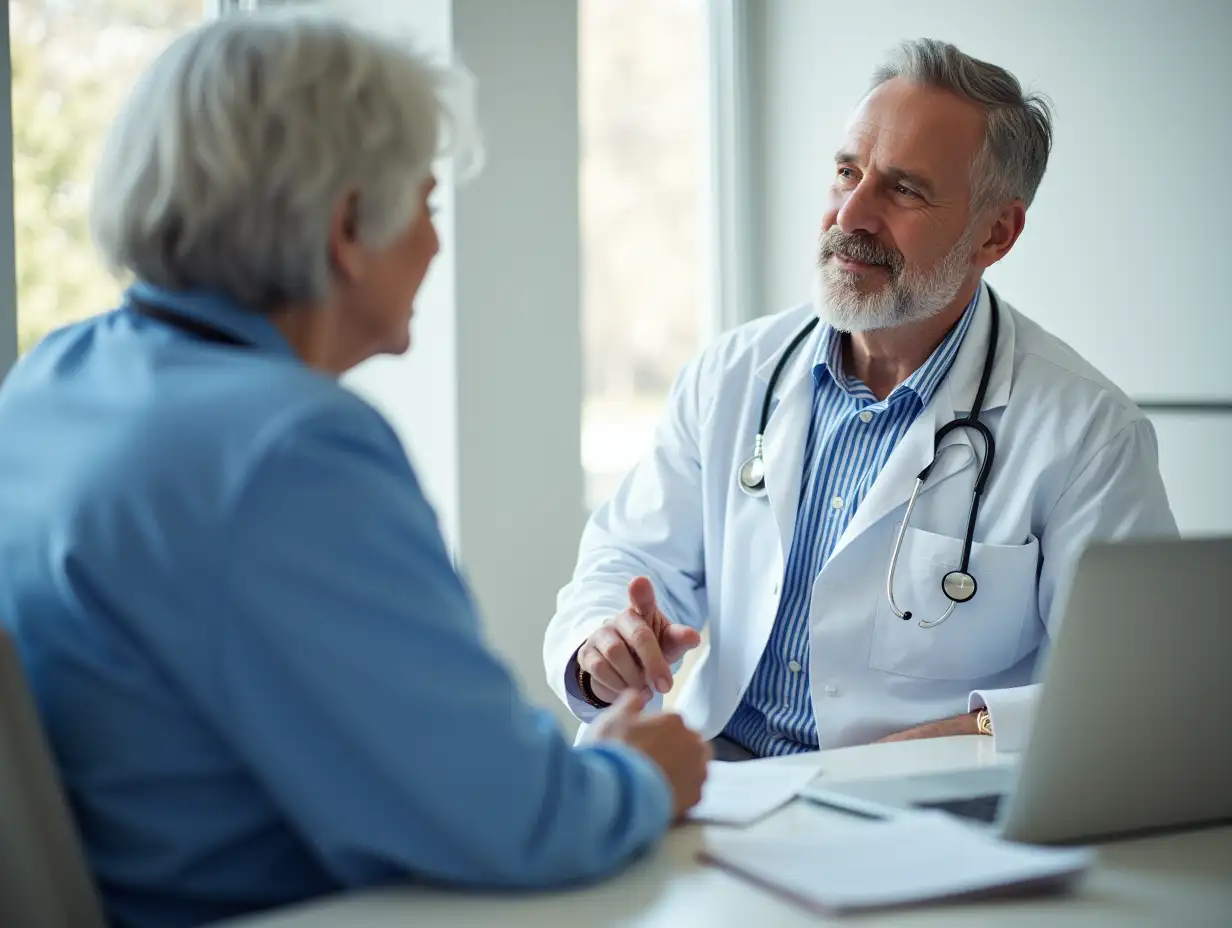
x,y
678,751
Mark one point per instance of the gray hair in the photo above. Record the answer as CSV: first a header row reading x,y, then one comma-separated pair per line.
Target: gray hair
x,y
227,161
1017,126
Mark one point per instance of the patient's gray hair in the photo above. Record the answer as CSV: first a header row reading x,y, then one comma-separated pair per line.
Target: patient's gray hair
x,y
1017,126
224,168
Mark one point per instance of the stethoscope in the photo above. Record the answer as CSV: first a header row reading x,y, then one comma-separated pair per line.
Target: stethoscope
x,y
958,585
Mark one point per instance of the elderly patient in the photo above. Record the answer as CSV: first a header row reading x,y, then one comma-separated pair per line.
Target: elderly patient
x,y
261,676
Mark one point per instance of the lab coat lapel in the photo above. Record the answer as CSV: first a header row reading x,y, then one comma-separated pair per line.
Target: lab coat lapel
x,y
964,377
786,433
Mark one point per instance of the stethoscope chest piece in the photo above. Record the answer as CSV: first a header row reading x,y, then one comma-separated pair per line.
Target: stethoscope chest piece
x,y
752,477
752,473
958,586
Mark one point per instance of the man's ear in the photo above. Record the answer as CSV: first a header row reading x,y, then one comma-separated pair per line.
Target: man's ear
x,y
1003,232
345,253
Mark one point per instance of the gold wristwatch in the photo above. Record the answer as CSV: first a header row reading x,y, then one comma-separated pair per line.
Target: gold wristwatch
x,y
983,721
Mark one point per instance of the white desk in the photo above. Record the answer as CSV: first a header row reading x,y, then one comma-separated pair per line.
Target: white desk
x,y
1172,880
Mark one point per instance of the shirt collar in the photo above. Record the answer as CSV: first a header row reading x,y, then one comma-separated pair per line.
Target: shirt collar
x,y
215,310
922,383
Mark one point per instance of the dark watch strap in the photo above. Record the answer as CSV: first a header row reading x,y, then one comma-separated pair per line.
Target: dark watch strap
x,y
583,681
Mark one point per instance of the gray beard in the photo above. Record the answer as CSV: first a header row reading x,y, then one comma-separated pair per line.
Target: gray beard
x,y
912,296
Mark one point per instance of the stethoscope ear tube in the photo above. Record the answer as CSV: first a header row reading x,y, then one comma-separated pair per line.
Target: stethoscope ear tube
x,y
752,473
898,544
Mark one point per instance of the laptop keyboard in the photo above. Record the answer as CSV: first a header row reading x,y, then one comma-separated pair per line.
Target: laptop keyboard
x,y
980,808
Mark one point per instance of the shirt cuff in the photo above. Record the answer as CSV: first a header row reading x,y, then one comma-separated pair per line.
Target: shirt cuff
x,y
1011,712
650,793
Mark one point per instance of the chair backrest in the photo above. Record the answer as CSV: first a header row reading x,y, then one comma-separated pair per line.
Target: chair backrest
x,y
44,880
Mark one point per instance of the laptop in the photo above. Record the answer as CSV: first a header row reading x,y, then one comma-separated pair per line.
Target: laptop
x,y
1131,730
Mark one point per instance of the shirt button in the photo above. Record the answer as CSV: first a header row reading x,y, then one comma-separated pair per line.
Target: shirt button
x,y
831,690
794,666
866,416
837,502
774,589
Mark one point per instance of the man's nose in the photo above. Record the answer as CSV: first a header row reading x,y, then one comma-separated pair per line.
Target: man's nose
x,y
860,212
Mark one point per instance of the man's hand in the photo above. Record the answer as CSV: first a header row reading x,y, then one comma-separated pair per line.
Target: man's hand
x,y
964,724
635,649
678,751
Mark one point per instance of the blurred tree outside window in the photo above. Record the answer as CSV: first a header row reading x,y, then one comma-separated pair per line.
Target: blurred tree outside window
x,y
73,61
644,200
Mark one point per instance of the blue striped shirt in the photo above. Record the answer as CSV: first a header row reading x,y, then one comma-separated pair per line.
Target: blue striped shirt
x,y
851,436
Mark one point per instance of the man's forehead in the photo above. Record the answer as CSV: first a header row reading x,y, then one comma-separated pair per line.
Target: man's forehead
x,y
908,123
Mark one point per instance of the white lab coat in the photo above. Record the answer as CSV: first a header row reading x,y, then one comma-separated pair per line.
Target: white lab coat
x,y
1075,461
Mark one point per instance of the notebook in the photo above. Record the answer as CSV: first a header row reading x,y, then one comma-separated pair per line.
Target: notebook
x,y
914,858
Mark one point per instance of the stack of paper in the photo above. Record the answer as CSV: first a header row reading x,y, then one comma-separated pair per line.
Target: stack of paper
x,y
739,793
909,859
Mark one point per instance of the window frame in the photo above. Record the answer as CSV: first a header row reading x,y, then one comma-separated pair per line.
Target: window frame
x,y
8,250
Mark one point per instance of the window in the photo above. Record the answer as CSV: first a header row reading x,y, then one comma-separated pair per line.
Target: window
x,y
644,198
73,63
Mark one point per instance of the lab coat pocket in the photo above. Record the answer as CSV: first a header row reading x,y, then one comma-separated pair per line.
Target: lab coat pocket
x,y
982,636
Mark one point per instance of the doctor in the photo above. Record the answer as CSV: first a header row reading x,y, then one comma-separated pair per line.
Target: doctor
x,y
846,600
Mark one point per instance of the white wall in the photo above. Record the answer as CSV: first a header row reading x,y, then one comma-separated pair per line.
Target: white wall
x,y
1125,246
519,324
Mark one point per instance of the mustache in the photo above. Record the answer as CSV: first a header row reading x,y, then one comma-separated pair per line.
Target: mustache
x,y
834,241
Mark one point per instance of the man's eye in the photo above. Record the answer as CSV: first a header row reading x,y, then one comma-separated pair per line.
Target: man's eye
x,y
905,191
